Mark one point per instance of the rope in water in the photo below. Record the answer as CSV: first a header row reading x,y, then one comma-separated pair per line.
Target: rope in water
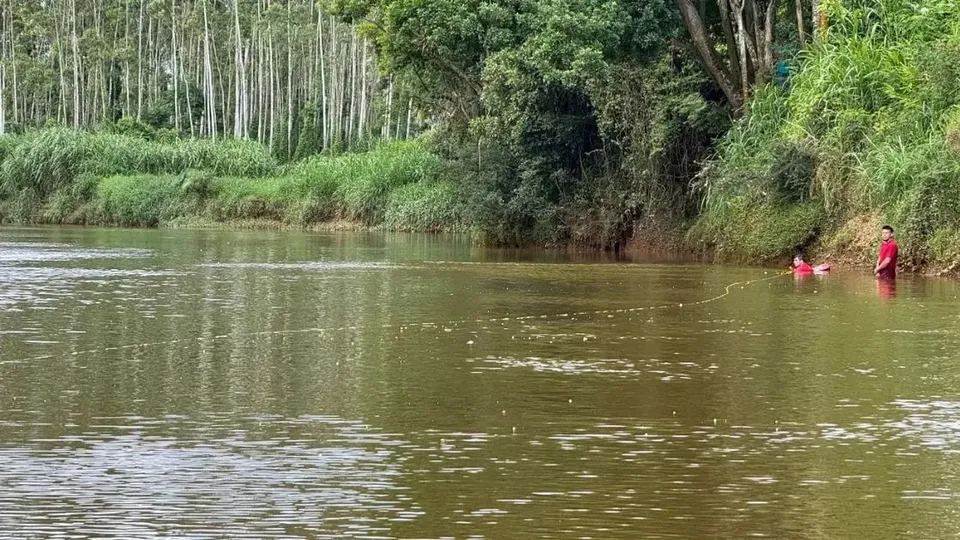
x,y
318,330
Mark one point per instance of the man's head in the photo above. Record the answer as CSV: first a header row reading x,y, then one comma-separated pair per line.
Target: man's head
x,y
798,259
886,233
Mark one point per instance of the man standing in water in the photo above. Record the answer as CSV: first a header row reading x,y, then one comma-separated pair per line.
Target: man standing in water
x,y
887,261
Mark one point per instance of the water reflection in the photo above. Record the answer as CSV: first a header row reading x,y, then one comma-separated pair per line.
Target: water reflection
x,y
887,288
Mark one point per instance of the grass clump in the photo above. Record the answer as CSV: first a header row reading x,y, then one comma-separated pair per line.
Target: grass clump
x,y
353,187
425,206
369,179
140,201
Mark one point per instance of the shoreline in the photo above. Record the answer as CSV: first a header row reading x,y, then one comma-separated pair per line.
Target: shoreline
x,y
844,259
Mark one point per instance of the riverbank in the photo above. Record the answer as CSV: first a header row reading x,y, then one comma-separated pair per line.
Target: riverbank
x,y
69,177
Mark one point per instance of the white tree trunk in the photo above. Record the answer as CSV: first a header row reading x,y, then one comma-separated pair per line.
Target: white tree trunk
x,y
3,96
815,17
76,64
353,89
363,93
140,62
175,78
210,102
239,131
385,132
323,81
289,84
409,116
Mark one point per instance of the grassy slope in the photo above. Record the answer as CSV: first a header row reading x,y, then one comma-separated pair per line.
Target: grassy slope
x,y
868,132
64,176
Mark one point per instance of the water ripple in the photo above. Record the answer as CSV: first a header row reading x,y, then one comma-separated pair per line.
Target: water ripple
x,y
125,480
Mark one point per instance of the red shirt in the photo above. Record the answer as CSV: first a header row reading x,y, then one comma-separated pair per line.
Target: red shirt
x,y
803,268
888,249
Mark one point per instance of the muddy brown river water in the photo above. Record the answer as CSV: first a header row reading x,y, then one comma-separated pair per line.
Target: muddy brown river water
x,y
215,384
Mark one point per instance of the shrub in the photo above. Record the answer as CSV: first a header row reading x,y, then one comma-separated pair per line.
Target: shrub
x,y
792,172
139,201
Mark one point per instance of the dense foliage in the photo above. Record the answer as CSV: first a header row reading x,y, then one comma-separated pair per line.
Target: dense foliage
x,y
867,132
571,119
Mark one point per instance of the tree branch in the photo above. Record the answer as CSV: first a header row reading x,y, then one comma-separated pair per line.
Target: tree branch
x,y
698,33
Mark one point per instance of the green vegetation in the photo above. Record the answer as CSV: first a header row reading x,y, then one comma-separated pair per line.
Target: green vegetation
x,y
65,176
568,120
868,127
284,73
537,122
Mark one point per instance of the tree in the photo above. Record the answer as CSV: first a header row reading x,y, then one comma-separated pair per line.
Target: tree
x,y
746,28
237,68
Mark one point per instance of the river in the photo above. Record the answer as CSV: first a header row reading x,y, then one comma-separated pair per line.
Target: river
x,y
215,384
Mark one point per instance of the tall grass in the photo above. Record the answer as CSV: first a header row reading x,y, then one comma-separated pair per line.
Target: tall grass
x,y
425,206
50,159
140,201
65,176
353,187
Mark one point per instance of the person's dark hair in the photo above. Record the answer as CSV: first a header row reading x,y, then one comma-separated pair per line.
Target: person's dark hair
x,y
887,228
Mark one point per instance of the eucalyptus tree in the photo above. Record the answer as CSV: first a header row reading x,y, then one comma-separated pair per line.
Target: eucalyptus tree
x,y
212,68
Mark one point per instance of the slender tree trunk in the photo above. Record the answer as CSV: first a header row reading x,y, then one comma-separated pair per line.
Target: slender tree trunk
x,y
238,128
396,134
210,100
175,75
186,94
363,92
754,38
16,99
768,23
223,95
815,17
335,105
126,59
3,84
323,82
289,84
273,96
741,35
76,65
258,35
353,88
140,62
733,55
152,65
261,130
385,133
61,63
342,106
798,4
247,83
